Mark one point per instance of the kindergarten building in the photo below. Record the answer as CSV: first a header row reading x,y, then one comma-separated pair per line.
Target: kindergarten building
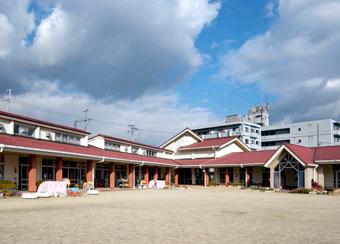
x,y
33,150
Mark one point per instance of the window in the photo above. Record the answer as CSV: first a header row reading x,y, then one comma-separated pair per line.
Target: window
x,y
299,141
257,142
252,130
112,146
75,171
252,141
67,138
150,153
299,129
23,130
2,128
246,129
257,132
135,150
48,169
247,141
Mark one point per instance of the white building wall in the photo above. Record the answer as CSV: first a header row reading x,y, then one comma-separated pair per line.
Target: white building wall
x,y
194,154
304,133
97,142
9,127
11,168
228,149
44,133
181,142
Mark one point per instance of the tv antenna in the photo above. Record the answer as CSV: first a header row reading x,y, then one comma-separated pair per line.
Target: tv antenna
x,y
132,130
8,99
86,120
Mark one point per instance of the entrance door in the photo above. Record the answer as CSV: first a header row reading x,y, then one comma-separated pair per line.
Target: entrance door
x,y
23,173
199,177
102,177
337,179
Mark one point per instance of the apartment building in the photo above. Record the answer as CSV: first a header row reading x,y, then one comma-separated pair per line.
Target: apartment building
x,y
314,133
248,132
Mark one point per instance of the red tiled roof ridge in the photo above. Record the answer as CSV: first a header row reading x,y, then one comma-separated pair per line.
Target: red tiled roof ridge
x,y
129,142
203,144
25,142
44,122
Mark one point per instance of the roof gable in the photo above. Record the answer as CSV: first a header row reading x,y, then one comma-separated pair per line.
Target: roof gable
x,y
186,131
304,155
243,158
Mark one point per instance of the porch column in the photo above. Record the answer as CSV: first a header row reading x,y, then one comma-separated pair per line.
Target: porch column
x,y
247,183
193,176
89,171
176,177
167,176
155,173
272,171
131,168
146,174
32,173
59,169
227,179
206,177
112,175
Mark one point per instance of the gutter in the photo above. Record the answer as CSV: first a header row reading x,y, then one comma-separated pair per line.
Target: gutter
x,y
86,156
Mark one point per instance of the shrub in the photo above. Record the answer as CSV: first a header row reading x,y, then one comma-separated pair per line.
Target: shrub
x,y
213,183
300,191
6,184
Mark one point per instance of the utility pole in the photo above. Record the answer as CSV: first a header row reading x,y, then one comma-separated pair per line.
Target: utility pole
x,y
132,129
86,120
317,135
8,100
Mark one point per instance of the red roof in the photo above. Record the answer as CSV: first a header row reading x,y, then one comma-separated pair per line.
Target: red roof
x,y
62,148
215,142
16,116
306,154
252,157
128,142
327,153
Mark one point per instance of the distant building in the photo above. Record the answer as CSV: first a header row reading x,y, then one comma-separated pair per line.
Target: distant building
x,y
259,115
309,133
249,133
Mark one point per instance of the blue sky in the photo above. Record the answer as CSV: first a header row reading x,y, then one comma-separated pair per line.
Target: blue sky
x,y
165,65
238,20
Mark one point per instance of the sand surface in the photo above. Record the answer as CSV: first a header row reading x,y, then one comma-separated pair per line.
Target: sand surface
x,y
173,216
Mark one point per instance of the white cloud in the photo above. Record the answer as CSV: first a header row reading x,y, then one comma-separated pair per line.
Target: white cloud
x,y
296,60
271,8
159,116
114,49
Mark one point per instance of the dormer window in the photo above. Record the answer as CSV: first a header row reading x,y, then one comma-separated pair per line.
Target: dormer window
x,y
135,150
67,138
112,146
24,130
151,153
2,128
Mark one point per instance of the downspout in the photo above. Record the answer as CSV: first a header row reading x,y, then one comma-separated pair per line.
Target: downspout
x,y
2,146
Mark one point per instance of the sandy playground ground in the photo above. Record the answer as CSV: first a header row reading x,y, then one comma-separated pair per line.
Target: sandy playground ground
x,y
214,215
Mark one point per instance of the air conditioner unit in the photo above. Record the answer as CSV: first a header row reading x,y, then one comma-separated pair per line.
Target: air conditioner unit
x,y
49,136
